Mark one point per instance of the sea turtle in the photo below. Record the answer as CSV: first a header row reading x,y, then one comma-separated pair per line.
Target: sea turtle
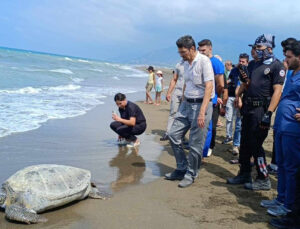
x,y
38,188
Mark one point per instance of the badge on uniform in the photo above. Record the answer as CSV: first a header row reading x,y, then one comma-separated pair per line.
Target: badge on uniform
x,y
267,71
282,73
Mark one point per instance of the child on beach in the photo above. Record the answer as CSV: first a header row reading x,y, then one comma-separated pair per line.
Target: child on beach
x,y
158,87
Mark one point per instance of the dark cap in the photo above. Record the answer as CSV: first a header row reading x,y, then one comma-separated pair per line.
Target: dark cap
x,y
267,40
150,68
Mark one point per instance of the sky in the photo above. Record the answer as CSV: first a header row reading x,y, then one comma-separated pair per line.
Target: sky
x,y
123,30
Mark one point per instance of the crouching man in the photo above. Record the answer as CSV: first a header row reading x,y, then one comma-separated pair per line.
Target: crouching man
x,y
131,121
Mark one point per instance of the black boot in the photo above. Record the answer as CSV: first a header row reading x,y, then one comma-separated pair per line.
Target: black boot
x,y
289,221
241,178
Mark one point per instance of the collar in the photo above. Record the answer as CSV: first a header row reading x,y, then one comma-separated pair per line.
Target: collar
x,y
268,61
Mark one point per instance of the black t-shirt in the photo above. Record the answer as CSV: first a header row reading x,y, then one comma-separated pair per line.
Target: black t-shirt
x,y
263,77
132,110
234,79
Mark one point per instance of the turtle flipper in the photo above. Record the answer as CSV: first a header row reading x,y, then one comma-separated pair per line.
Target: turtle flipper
x,y
19,213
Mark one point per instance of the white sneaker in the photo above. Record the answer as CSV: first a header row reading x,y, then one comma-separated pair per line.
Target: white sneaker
x,y
235,150
133,144
209,152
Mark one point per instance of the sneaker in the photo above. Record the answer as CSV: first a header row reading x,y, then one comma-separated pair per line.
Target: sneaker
x,y
241,178
270,203
235,150
186,182
133,144
278,211
123,142
259,184
227,140
209,152
289,221
175,175
272,170
164,138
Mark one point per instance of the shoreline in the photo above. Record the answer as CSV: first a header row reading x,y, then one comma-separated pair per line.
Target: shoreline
x,y
208,203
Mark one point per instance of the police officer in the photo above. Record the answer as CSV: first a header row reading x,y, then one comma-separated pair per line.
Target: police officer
x,y
263,82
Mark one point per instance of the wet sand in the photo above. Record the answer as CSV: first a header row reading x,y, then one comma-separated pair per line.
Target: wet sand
x,y
209,203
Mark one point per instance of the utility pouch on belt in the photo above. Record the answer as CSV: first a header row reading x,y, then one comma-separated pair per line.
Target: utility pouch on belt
x,y
258,102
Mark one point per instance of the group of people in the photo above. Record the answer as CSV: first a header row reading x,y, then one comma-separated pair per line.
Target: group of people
x,y
249,94
155,82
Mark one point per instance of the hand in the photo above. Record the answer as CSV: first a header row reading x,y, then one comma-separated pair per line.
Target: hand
x,y
297,116
266,120
116,117
236,102
168,97
244,75
201,120
223,111
219,101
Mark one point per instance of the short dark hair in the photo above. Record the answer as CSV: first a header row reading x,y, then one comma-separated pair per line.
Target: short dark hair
x,y
186,41
244,56
205,42
294,47
287,42
119,97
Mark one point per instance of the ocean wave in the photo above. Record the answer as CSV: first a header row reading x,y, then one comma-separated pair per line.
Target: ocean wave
x,y
137,75
83,61
96,70
68,59
116,78
62,70
25,90
69,87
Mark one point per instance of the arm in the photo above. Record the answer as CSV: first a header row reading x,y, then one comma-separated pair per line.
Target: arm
x,y
275,97
130,122
154,81
206,98
162,85
172,86
220,84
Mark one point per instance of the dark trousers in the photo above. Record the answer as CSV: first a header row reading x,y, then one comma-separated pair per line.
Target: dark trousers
x,y
252,138
296,207
215,116
128,132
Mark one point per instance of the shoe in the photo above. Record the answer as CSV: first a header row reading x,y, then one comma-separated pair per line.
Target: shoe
x,y
241,178
227,140
209,152
235,151
259,184
186,182
164,138
271,170
270,203
286,222
278,211
234,161
133,144
123,142
175,175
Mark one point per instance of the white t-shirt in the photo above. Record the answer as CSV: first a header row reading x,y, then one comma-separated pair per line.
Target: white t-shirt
x,y
196,75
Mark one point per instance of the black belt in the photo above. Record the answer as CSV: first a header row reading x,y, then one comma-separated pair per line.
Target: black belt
x,y
258,101
196,100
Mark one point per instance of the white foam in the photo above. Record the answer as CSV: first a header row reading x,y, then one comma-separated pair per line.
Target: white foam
x,y
68,59
62,70
83,61
96,70
116,78
25,90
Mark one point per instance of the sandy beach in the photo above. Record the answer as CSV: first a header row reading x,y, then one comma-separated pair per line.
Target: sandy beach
x,y
208,203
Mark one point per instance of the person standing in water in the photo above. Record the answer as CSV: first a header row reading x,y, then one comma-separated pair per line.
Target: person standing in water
x,y
150,84
158,87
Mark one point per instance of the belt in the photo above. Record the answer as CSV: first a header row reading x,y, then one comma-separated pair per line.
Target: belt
x,y
258,101
196,100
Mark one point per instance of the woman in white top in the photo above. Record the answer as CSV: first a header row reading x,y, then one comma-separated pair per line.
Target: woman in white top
x,y
158,87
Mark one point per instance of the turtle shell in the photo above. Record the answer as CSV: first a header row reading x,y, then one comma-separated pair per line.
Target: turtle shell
x,y
43,187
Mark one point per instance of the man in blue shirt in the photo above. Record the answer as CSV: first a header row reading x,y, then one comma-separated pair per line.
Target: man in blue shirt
x,y
205,47
287,138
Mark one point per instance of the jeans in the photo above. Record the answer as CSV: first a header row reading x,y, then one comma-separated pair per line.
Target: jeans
x,y
215,117
186,119
288,161
233,113
175,102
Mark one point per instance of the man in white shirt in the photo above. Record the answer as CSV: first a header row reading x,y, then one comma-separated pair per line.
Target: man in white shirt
x,y
194,113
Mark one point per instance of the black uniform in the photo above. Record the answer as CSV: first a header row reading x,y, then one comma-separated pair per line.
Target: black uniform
x,y
255,104
129,132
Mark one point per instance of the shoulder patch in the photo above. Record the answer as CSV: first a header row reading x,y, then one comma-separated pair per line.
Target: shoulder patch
x,y
282,73
267,71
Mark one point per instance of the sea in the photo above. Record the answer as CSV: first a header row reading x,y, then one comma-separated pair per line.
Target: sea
x,y
35,87
57,110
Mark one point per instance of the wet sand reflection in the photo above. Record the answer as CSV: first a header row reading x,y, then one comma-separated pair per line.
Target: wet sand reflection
x,y
131,167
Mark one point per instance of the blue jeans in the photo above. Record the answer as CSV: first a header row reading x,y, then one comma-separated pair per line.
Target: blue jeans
x,y
288,161
186,119
233,113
